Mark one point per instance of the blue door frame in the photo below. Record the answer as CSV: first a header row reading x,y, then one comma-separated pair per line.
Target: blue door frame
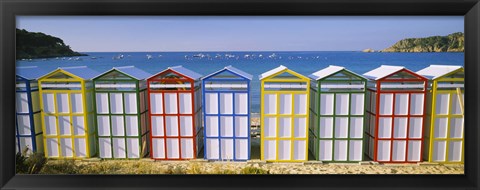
x,y
28,90
218,115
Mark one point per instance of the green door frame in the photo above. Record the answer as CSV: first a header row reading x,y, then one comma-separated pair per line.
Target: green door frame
x,y
315,113
139,114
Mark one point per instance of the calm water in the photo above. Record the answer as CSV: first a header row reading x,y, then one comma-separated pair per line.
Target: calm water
x,y
254,63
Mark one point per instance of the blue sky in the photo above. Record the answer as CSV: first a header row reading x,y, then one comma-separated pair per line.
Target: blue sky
x,y
215,33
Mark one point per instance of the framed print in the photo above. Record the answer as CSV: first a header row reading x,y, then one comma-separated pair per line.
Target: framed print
x,y
251,94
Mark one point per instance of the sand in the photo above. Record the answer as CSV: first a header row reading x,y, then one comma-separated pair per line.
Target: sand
x,y
147,166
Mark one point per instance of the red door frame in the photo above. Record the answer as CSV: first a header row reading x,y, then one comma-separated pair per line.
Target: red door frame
x,y
378,92
178,114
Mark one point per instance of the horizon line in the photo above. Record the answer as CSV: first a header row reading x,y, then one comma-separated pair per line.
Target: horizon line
x,y
226,51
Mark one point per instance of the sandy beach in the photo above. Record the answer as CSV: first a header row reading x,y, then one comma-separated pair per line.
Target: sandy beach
x,y
147,166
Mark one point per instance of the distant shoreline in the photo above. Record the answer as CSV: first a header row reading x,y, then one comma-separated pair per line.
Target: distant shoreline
x,y
52,56
359,51
414,52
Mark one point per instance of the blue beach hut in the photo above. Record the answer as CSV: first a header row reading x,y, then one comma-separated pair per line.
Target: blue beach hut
x,y
28,127
226,114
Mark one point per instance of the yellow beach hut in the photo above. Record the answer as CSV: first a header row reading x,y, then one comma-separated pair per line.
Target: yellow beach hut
x,y
284,115
444,125
66,103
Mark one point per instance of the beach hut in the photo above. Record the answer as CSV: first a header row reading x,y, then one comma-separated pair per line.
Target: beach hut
x,y
28,126
175,108
226,114
444,127
121,113
337,115
66,101
395,115
284,115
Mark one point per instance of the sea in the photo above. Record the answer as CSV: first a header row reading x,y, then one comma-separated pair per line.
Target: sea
x,y
255,63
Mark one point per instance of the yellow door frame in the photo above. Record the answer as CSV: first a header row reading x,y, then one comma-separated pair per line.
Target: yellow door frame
x,y
277,115
434,92
85,113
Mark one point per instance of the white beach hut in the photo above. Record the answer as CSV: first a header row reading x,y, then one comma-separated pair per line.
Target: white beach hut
x,y
337,115
226,114
284,115
175,112
28,126
395,115
121,113
66,101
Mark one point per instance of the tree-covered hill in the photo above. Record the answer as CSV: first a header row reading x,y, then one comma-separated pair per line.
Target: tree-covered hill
x,y
31,45
454,42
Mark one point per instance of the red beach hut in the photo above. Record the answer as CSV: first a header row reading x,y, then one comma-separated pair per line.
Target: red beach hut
x,y
175,107
395,115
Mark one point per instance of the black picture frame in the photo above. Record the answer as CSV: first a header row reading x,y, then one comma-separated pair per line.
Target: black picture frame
x,y
10,8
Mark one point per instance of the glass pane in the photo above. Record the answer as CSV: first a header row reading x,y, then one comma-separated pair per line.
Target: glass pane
x,y
102,102
116,103
226,103
441,106
386,104
130,103
156,103
398,152
326,127
170,103
285,103
341,127
270,104
63,103
77,103
357,106
185,103
270,127
341,104
300,104
340,152
326,104
241,103
416,104
401,104
456,127
211,103
400,127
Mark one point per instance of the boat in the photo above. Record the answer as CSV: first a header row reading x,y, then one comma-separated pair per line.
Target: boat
x,y
120,56
273,56
200,55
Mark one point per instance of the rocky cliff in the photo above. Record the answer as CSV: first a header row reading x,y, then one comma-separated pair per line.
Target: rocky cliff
x,y
452,43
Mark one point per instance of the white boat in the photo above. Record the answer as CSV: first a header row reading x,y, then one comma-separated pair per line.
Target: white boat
x,y
273,56
120,56
200,55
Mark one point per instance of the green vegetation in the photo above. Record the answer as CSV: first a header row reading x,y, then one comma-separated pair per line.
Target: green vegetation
x,y
36,163
32,45
31,164
454,42
254,170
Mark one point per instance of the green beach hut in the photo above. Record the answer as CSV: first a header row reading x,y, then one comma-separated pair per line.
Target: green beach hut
x,y
337,115
121,113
